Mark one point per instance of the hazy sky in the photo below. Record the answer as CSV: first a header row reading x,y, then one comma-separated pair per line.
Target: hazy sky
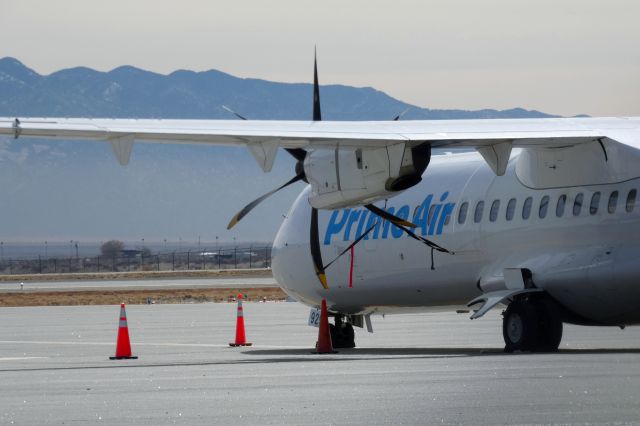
x,y
564,57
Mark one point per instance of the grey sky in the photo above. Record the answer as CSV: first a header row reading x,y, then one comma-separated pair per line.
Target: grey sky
x,y
564,57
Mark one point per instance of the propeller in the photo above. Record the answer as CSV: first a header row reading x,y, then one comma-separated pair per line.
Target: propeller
x,y
426,242
388,216
246,209
314,237
314,233
397,117
314,245
317,115
299,154
357,240
238,115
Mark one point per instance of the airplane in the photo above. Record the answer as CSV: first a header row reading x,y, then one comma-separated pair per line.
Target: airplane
x,y
538,215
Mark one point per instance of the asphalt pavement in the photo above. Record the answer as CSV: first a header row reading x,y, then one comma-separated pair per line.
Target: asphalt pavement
x,y
438,368
156,284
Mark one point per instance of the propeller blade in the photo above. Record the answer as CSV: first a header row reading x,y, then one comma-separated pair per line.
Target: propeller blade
x,y
388,216
317,116
242,213
316,254
399,116
297,153
360,238
404,225
233,112
424,240
314,237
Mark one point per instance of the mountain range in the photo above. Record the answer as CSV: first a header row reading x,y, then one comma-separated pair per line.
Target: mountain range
x,y
131,92
64,190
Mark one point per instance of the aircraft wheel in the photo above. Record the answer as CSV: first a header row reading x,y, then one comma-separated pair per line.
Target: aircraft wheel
x,y
349,336
520,327
342,336
550,323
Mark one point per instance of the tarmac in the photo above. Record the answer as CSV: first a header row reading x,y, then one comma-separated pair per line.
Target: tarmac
x,y
437,368
172,283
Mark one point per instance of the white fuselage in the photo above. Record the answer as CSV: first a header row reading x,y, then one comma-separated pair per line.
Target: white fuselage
x,y
586,259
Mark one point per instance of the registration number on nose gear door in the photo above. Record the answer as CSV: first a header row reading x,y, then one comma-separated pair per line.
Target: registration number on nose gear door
x,y
314,317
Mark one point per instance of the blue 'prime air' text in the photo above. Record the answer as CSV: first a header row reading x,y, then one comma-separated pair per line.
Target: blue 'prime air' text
x,y
352,223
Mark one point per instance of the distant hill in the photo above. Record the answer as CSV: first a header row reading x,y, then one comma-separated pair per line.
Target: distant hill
x,y
62,191
131,92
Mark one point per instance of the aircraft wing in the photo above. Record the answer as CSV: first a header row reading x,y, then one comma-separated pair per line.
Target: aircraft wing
x,y
266,135
309,134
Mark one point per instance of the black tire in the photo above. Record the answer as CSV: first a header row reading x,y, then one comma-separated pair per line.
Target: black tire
x,y
342,337
550,325
334,335
520,327
349,336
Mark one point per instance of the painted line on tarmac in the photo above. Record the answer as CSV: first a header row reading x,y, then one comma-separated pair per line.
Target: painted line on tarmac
x,y
32,289
22,358
50,342
166,344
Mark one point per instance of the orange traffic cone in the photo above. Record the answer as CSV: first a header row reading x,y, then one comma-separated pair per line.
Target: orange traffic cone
x,y
323,345
241,339
123,346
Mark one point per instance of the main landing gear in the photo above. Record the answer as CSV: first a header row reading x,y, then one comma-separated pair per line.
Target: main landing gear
x,y
532,324
342,334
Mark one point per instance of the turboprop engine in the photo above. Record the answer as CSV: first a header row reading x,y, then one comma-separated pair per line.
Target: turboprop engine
x,y
345,176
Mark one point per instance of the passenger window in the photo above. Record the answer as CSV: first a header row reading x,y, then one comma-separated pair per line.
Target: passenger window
x,y
577,204
631,200
562,200
613,202
595,202
477,216
462,213
544,205
493,214
526,208
511,208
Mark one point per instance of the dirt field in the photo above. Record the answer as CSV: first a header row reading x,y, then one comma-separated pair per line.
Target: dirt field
x,y
65,298
111,297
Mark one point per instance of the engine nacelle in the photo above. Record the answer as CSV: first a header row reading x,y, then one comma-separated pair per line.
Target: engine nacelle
x,y
346,176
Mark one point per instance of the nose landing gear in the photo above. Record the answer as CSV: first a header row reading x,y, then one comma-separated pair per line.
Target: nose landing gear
x,y
342,334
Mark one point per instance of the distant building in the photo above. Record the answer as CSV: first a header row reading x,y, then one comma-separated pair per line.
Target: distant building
x,y
130,254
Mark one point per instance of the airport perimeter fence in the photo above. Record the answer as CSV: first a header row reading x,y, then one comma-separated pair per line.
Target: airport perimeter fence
x,y
190,260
